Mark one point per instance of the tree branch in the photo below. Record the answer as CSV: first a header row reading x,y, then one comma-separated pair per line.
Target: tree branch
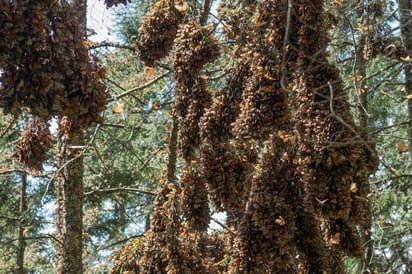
x,y
13,170
206,9
148,84
13,120
9,217
46,236
106,44
223,225
118,189
122,241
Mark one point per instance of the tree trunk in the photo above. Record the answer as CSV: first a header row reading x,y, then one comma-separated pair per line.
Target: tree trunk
x,y
59,220
22,241
73,206
405,7
73,187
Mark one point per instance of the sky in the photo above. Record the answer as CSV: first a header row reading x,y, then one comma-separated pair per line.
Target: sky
x,y
99,19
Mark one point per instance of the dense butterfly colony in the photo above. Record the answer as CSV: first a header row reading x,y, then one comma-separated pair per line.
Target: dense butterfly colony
x,y
276,149
47,70
159,27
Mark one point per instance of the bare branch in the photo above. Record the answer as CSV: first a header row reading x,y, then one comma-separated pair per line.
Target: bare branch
x,y
13,170
223,225
118,189
46,236
286,43
106,44
13,120
148,84
9,217
112,125
122,241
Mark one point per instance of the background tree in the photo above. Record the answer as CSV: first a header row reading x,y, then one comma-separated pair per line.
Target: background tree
x,y
241,96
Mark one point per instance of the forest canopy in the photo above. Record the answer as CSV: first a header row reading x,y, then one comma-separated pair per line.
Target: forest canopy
x,y
268,136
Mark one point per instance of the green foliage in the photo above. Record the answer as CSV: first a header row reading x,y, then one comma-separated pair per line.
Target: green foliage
x,y
126,155
388,124
127,19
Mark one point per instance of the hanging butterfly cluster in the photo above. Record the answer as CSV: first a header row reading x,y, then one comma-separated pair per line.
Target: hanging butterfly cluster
x,y
194,47
336,156
158,31
34,144
276,148
46,66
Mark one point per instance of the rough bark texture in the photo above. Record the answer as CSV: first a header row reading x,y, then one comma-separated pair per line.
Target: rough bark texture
x,y
73,205
73,185
22,241
59,222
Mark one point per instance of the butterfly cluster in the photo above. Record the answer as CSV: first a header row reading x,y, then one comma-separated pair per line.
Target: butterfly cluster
x,y
194,47
276,148
158,31
33,145
46,66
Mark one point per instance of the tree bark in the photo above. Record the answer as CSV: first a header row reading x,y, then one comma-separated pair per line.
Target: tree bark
x,y
22,225
73,188
405,7
73,206
59,220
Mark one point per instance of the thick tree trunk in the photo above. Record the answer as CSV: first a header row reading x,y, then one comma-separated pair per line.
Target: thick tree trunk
x,y
73,206
22,241
59,222
405,7
73,187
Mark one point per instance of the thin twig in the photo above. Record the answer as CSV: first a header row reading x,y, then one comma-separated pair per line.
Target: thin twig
x,y
14,170
13,120
118,189
148,84
9,218
223,225
99,155
121,241
285,46
86,147
343,122
106,44
46,236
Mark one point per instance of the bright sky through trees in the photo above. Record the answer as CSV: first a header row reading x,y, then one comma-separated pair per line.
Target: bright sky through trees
x,y
99,19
